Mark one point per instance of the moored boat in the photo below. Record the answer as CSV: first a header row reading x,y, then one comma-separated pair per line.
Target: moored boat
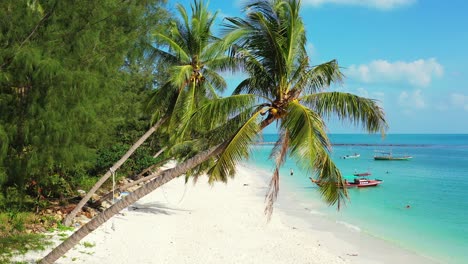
x,y
358,182
355,156
390,156
362,174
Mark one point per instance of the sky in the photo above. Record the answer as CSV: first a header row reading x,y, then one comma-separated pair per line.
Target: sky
x,y
410,55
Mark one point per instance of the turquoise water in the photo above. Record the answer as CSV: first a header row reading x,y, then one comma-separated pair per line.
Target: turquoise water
x,y
434,183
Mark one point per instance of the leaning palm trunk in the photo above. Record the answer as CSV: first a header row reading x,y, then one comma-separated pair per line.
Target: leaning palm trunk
x,y
128,185
144,179
67,221
100,219
139,180
150,169
159,152
165,177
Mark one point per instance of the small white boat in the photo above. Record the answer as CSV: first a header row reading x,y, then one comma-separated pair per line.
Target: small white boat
x,y
355,156
390,156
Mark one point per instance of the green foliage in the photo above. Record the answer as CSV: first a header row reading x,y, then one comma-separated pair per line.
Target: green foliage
x,y
16,236
62,228
54,185
87,244
192,56
71,74
16,222
270,42
140,160
20,244
13,199
82,181
73,78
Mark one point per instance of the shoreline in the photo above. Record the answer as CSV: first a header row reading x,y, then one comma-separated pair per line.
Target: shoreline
x,y
345,240
225,223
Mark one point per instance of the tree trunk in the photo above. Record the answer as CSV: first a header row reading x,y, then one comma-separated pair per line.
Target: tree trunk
x,y
167,176
128,185
101,218
159,152
159,164
68,219
139,180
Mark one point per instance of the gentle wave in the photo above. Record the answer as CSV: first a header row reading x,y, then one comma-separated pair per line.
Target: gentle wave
x,y
349,226
313,212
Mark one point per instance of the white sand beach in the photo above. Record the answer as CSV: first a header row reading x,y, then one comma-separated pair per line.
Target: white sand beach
x,y
187,223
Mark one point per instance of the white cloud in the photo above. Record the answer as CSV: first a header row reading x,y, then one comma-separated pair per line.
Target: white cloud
x,y
417,73
413,100
459,100
379,4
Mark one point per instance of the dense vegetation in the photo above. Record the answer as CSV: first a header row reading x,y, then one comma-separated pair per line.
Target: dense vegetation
x,y
74,76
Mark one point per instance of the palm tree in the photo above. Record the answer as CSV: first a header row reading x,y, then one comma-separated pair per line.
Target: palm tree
x,y
282,87
193,55
190,48
271,41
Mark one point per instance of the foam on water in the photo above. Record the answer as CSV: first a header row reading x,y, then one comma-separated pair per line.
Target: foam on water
x,y
314,212
349,226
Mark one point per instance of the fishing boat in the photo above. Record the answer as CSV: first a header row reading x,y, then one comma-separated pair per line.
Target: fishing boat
x,y
362,174
390,156
358,182
355,156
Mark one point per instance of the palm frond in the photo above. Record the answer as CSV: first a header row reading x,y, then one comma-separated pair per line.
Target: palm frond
x,y
348,107
278,26
330,179
279,154
211,91
300,77
323,75
310,145
215,80
183,14
162,56
180,75
237,148
307,133
218,111
183,109
161,100
223,131
173,45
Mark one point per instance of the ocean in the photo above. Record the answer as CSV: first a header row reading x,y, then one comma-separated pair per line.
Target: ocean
x,y
434,184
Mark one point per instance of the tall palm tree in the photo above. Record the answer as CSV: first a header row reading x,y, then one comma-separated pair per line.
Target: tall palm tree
x,y
282,88
271,41
191,51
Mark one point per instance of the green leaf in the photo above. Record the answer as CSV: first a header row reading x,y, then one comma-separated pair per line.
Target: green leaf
x,y
237,148
348,107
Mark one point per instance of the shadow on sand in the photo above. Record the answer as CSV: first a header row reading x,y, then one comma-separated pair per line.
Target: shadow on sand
x,y
154,208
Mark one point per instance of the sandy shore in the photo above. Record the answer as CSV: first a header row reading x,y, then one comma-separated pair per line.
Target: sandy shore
x,y
224,223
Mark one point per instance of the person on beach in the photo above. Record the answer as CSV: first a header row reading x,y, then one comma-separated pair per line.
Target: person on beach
x,y
292,172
